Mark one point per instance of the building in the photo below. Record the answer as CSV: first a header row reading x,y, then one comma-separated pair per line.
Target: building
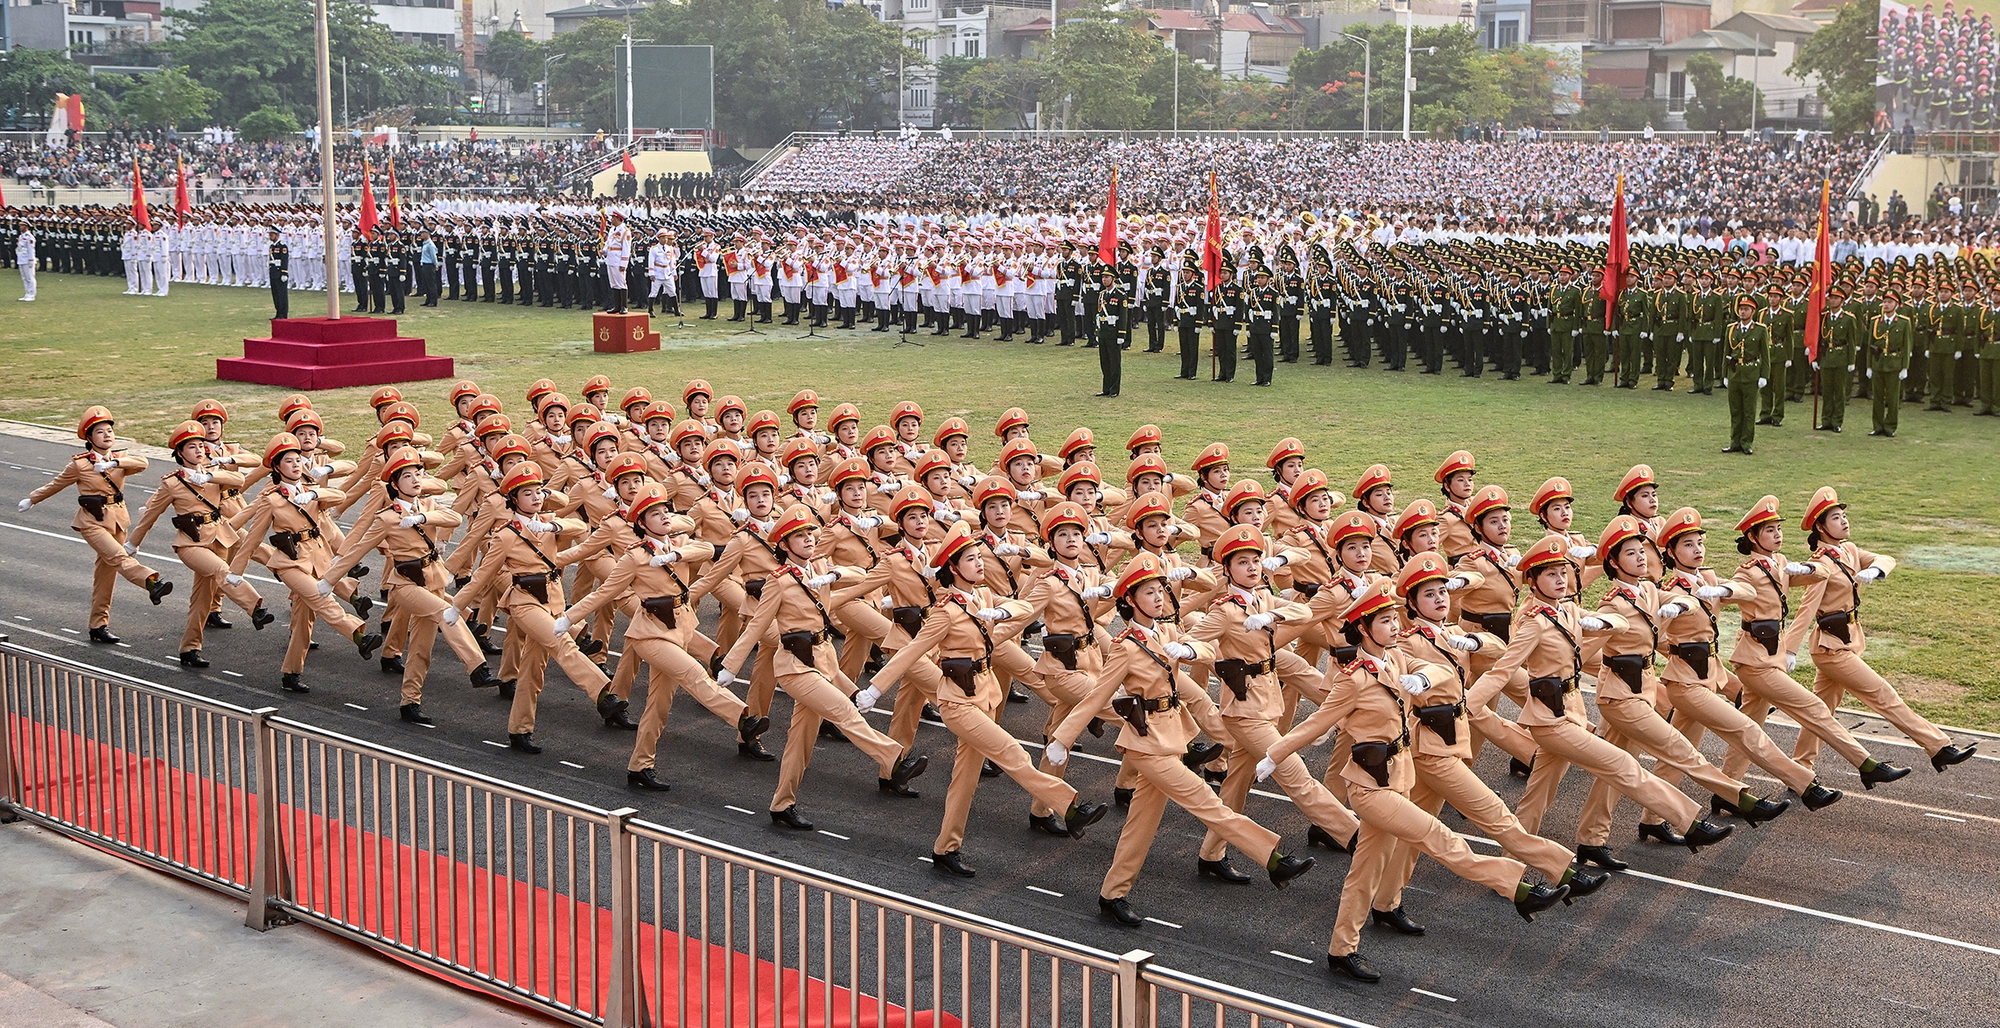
x,y
1241,41
569,18
97,32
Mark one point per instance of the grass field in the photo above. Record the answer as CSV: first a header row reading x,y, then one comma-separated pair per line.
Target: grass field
x,y
1928,496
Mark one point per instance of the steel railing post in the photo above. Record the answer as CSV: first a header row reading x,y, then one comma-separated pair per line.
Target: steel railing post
x,y
1135,998
622,993
264,858
10,686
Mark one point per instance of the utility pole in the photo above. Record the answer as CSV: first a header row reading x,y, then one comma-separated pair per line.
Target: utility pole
x,y
1409,73
346,119
1367,76
323,69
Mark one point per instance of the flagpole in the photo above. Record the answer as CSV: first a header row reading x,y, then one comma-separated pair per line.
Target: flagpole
x,y
326,214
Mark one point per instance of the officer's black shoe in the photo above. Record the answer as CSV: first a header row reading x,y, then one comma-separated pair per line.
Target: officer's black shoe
x,y
1582,883
1317,836
1531,900
1049,824
1120,911
1817,796
791,818
908,768
482,678
831,732
1220,870
1761,811
754,750
157,589
193,658
1601,856
1660,832
488,646
589,646
1205,753
1122,798
392,665
888,785
750,726
507,688
1882,773
1950,755
362,604
414,714
1351,966
643,779
1081,816
1016,694
366,642
1214,777
989,769
293,683
1706,833
103,635
523,741
215,621
950,864
618,717
1283,868
610,707
1518,769
875,660
930,713
1396,921
1095,728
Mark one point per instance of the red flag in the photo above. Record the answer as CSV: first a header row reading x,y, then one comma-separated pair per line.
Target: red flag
x,y
1211,238
139,197
626,165
3,188
1617,259
1822,277
395,207
368,219
1107,237
181,204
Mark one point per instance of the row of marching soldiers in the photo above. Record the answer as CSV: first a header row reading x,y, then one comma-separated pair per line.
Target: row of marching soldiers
x,y
934,573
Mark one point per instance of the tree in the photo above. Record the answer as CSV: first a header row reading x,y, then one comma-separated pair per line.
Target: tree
x,y
259,53
996,92
1098,57
513,58
30,80
585,81
1844,58
1605,107
1720,102
268,123
168,98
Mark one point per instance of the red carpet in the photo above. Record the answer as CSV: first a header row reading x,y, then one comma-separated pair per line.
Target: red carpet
x,y
325,353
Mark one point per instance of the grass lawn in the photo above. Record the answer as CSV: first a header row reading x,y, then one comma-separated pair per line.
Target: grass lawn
x,y
1928,496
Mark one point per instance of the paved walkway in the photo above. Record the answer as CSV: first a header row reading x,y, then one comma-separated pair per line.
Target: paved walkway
x,y
92,941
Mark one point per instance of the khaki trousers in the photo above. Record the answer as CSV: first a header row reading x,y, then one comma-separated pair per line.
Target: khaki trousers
x,y
1704,707
1063,689
671,671
531,627
1839,672
1631,724
419,606
1250,740
1441,780
1570,743
210,569
307,606
815,699
1162,778
1768,688
1388,817
980,739
113,563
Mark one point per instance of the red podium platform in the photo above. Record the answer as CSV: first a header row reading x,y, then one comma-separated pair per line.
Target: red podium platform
x,y
324,353
623,333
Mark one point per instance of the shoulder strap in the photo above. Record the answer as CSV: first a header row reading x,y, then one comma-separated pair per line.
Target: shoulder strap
x,y
546,562
1576,651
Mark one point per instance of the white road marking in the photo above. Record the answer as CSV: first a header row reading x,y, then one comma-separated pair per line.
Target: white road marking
x,y
234,674
1163,924
1433,995
1977,796
490,742
23,617
1290,956
832,835
72,631
124,646
926,860
356,706
566,763
1045,892
739,810
1838,860
1944,817
1796,909
1719,960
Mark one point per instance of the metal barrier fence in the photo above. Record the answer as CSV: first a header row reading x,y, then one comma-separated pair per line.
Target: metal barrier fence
x,y
587,915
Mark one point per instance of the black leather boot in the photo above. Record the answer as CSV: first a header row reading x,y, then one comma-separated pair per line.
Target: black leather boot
x,y
193,658
157,589
392,665
1530,900
643,779
1122,798
414,714
103,635
1351,966
292,683
1081,816
1601,856
523,741
1582,883
908,768
612,710
951,864
1120,911
1706,833
1817,796
1950,755
259,618
482,678
1882,773
1283,868
1317,836
791,818
1049,824
1396,921
1220,870
1660,832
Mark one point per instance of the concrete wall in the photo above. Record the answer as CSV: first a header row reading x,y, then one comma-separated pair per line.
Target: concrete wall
x,y
653,162
1913,175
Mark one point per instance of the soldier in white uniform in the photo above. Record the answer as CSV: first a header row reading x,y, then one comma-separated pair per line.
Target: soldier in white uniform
x,y
617,256
24,259
663,262
159,258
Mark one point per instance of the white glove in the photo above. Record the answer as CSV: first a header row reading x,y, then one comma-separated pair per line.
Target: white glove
x,y
1796,568
1583,552
1031,494
1903,374
703,480
449,617
1180,651
24,504
322,471
325,588
1592,624
724,677
1712,592
864,701
1057,753
104,465
1456,582
968,481
1725,382
1416,684
1274,563
1762,382
199,477
304,496
1176,529
1670,611
928,571
562,626
1256,622
611,492
240,459
1513,560
739,515
1097,538
131,549
784,479
945,513
1957,354
661,560
1871,575
1464,643
238,580
993,614
413,520
1097,592
1168,478
822,581
540,526
867,521
821,438
1870,373
1006,550
1265,768
885,487
1179,574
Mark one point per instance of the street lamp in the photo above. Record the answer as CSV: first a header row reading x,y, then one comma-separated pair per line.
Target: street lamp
x,y
1367,75
1409,73
548,101
631,127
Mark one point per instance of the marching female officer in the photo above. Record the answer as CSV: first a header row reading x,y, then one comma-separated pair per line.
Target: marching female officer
x,y
1370,698
1832,613
1161,707
194,493
1761,662
963,628
99,474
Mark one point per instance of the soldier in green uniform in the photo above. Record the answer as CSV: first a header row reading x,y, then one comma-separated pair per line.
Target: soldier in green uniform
x,y
1890,338
1227,306
1865,308
1321,292
1777,318
1635,329
1799,370
1565,325
1706,314
1960,319
1926,320
1986,343
1745,366
1672,310
1112,306
1839,337
1593,331
279,271
1264,308
1187,314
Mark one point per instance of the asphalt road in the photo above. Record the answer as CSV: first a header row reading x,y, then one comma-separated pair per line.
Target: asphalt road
x,y
1883,910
